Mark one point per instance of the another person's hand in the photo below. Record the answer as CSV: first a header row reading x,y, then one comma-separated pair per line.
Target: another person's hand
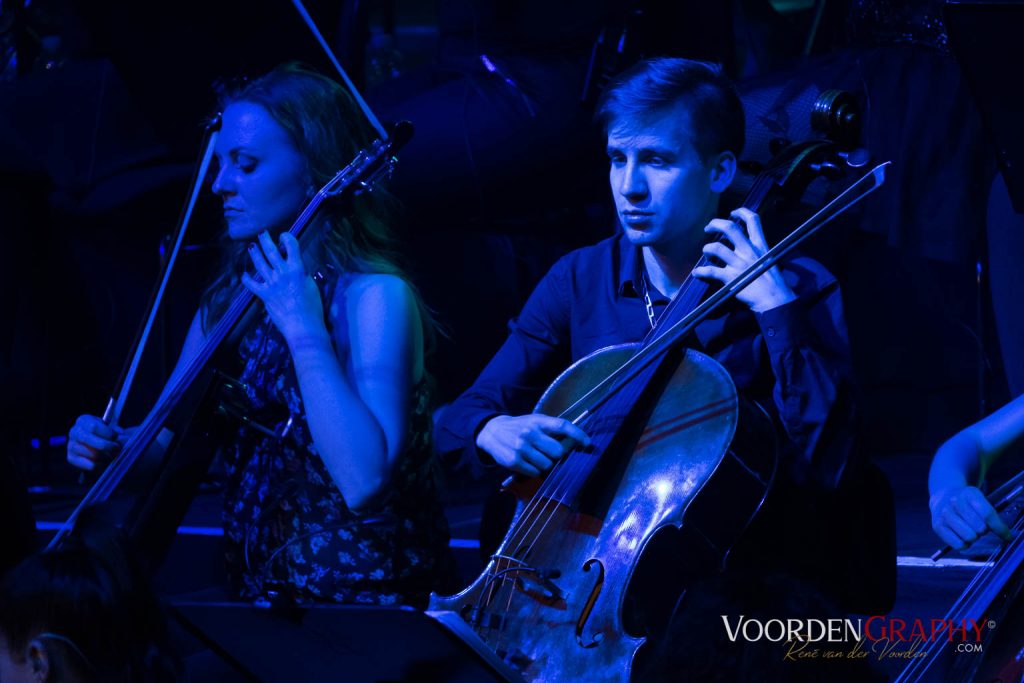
x,y
92,441
961,515
766,292
529,444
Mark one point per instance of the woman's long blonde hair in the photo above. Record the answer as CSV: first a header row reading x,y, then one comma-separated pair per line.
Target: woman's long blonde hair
x,y
328,130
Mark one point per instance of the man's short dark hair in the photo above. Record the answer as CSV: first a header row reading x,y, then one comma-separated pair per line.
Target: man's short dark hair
x,y
652,86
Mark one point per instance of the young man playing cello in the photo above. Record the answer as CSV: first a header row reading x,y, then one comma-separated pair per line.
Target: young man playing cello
x,y
674,129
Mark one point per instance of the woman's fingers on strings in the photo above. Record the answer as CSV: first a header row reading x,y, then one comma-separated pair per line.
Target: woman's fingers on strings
x,y
81,450
259,262
996,524
95,425
291,247
251,283
270,250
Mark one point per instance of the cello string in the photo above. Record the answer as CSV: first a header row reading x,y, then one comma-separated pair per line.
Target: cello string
x,y
693,287
571,474
568,472
542,507
544,501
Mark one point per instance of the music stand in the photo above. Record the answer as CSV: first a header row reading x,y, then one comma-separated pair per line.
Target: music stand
x,y
357,644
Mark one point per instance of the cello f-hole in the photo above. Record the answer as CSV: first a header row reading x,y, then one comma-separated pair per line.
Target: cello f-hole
x,y
589,606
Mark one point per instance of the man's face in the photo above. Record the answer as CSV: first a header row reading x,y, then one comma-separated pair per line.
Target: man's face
x,y
664,193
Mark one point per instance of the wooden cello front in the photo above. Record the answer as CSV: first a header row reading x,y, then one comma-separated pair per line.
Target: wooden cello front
x,y
551,600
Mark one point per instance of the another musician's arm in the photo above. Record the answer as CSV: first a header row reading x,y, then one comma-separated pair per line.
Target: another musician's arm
x,y
960,511
491,422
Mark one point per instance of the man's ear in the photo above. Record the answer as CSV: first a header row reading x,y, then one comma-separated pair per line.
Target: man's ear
x,y
38,660
723,170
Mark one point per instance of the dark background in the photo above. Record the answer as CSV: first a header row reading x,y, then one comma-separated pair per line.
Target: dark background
x,y
101,110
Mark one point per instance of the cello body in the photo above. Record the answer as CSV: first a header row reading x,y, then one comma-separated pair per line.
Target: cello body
x,y
551,601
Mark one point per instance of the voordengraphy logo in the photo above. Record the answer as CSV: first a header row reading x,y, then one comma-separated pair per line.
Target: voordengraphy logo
x,y
787,630
850,630
885,637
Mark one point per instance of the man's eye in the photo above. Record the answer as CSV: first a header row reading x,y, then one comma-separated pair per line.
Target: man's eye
x,y
656,161
247,166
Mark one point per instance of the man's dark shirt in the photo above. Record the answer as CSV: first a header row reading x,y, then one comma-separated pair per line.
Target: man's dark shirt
x,y
793,359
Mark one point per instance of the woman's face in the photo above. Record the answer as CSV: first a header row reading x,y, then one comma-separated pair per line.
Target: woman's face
x,y
261,178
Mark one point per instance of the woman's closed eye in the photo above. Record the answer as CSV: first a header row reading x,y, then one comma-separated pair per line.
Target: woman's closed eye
x,y
245,163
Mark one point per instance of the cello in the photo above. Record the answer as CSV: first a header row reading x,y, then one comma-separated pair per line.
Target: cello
x,y
663,422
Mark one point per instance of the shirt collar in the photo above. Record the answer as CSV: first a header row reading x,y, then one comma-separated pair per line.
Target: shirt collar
x,y
627,285
627,257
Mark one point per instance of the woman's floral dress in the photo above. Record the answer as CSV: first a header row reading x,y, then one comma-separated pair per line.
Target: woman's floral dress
x,y
287,529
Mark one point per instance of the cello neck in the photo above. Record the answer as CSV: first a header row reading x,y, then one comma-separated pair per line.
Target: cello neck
x,y
661,341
